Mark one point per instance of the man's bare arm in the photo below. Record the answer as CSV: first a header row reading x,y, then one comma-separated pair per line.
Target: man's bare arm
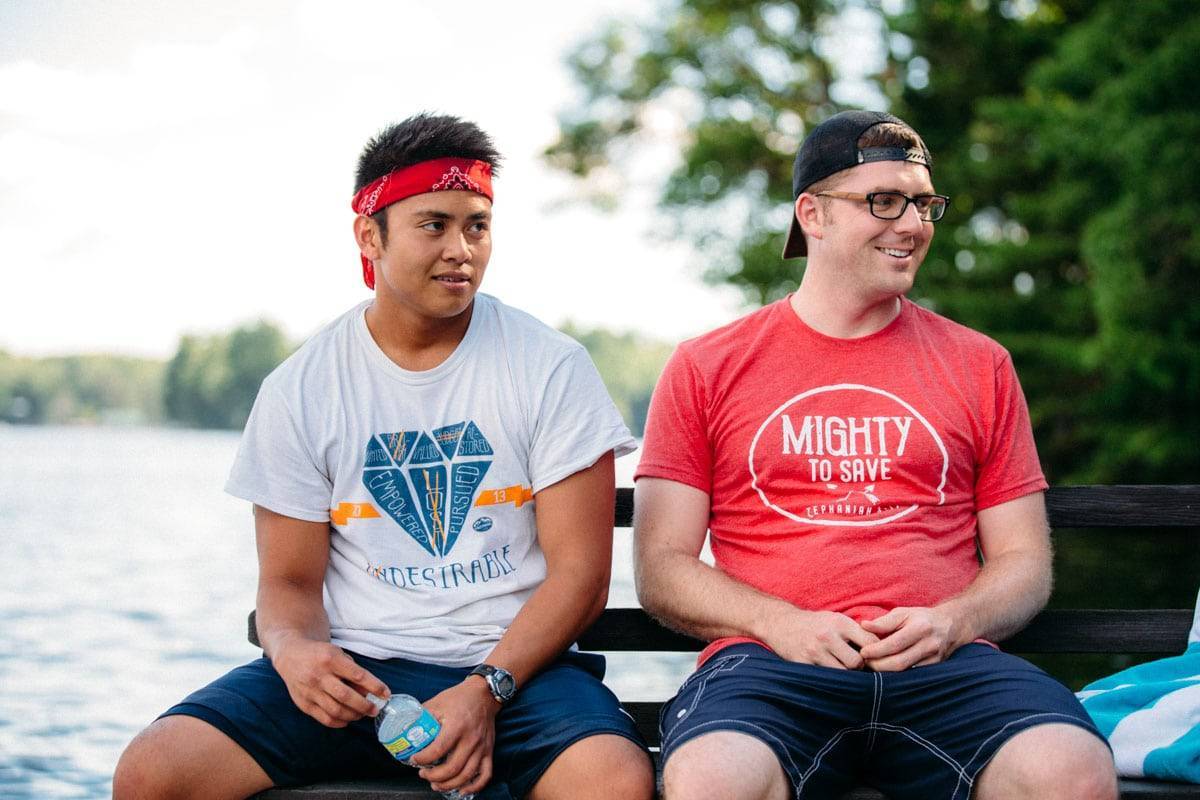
x,y
575,528
322,680
675,586
1013,585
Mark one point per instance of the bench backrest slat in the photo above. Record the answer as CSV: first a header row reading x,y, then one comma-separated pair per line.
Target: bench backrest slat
x,y
1161,631
1150,506
1124,506
1067,630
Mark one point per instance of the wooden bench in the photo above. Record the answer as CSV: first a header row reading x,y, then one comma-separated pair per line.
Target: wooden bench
x,y
1145,633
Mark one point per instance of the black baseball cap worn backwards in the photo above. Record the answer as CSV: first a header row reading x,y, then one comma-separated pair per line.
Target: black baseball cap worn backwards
x,y
832,147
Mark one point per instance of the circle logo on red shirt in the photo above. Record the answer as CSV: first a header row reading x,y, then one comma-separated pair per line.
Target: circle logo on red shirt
x,y
848,455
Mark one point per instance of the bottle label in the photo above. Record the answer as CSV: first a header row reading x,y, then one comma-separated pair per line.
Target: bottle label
x,y
414,738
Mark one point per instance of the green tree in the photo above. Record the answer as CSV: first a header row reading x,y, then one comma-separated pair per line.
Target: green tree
x,y
629,364
21,400
744,79
80,388
1105,130
211,381
252,352
194,383
1059,244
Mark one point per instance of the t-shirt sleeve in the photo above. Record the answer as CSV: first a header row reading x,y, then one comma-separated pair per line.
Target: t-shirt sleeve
x,y
275,466
676,445
1008,465
574,423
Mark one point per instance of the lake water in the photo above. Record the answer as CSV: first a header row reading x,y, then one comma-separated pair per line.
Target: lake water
x,y
128,575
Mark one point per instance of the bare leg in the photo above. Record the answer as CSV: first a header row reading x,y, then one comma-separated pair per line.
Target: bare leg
x,y
184,757
1049,762
725,765
599,767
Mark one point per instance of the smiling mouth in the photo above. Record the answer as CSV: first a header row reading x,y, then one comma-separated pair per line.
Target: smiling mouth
x,y
894,252
453,279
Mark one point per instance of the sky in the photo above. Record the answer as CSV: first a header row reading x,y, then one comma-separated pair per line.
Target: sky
x,y
172,167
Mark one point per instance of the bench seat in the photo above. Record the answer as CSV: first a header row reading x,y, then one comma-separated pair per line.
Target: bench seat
x,y
1147,632
415,789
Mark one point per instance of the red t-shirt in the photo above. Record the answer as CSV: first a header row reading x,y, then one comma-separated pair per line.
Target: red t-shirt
x,y
844,474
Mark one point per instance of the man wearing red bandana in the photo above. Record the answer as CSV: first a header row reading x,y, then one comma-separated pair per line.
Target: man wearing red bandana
x,y
431,520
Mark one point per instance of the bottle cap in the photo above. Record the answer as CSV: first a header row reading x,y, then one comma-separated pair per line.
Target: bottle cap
x,y
378,702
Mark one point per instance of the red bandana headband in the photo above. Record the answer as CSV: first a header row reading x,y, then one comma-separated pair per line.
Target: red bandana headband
x,y
438,175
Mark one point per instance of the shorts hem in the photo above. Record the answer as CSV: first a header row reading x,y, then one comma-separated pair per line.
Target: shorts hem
x,y
226,726
1008,732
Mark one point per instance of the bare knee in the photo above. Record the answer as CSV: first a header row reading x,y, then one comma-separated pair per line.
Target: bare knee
x,y
628,774
181,757
1064,779
724,765
602,766
1056,762
142,771
1092,782
632,777
624,769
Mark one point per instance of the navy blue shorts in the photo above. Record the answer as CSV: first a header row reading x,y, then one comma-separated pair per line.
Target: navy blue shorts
x,y
922,733
564,703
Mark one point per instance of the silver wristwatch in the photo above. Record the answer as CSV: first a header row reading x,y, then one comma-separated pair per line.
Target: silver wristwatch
x,y
500,681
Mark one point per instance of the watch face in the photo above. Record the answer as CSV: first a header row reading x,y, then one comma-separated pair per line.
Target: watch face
x,y
503,684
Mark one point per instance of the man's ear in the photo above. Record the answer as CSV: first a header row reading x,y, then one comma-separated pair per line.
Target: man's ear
x,y
811,215
368,237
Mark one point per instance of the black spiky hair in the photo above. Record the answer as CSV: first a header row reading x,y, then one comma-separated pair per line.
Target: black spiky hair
x,y
423,137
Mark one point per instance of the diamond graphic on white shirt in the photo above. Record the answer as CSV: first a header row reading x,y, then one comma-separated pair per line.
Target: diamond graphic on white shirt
x,y
427,483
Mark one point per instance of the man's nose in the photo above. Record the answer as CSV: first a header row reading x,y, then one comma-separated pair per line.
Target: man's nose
x,y
457,248
909,219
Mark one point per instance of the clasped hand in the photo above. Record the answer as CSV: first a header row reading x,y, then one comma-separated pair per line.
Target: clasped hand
x,y
823,638
908,637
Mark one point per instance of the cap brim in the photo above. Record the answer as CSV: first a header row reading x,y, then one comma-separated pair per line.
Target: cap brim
x,y
795,247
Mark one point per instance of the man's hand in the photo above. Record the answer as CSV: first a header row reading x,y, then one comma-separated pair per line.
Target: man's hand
x,y
909,637
461,755
823,638
325,683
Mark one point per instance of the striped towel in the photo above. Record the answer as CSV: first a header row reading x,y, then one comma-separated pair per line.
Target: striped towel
x,y
1151,714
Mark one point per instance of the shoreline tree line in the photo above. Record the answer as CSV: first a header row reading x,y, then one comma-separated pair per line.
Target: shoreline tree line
x,y
211,380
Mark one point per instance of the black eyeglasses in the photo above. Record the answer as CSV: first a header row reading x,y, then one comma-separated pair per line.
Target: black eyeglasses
x,y
892,205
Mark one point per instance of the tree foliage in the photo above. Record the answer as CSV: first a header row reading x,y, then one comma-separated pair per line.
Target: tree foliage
x,y
1105,126
79,388
1061,128
211,381
629,365
745,79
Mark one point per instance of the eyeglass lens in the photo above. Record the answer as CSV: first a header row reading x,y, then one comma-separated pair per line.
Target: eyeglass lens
x,y
892,205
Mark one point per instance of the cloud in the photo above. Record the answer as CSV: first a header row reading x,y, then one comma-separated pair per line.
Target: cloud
x,y
192,182
162,86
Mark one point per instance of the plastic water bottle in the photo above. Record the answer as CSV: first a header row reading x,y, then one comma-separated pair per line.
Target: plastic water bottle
x,y
405,728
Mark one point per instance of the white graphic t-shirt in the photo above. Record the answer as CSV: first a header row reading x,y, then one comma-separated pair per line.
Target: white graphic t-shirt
x,y
427,479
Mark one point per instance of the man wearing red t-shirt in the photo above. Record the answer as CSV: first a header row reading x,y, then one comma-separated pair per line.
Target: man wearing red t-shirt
x,y
851,455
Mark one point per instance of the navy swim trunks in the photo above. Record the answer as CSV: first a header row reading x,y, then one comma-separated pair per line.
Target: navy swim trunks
x,y
926,732
563,703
